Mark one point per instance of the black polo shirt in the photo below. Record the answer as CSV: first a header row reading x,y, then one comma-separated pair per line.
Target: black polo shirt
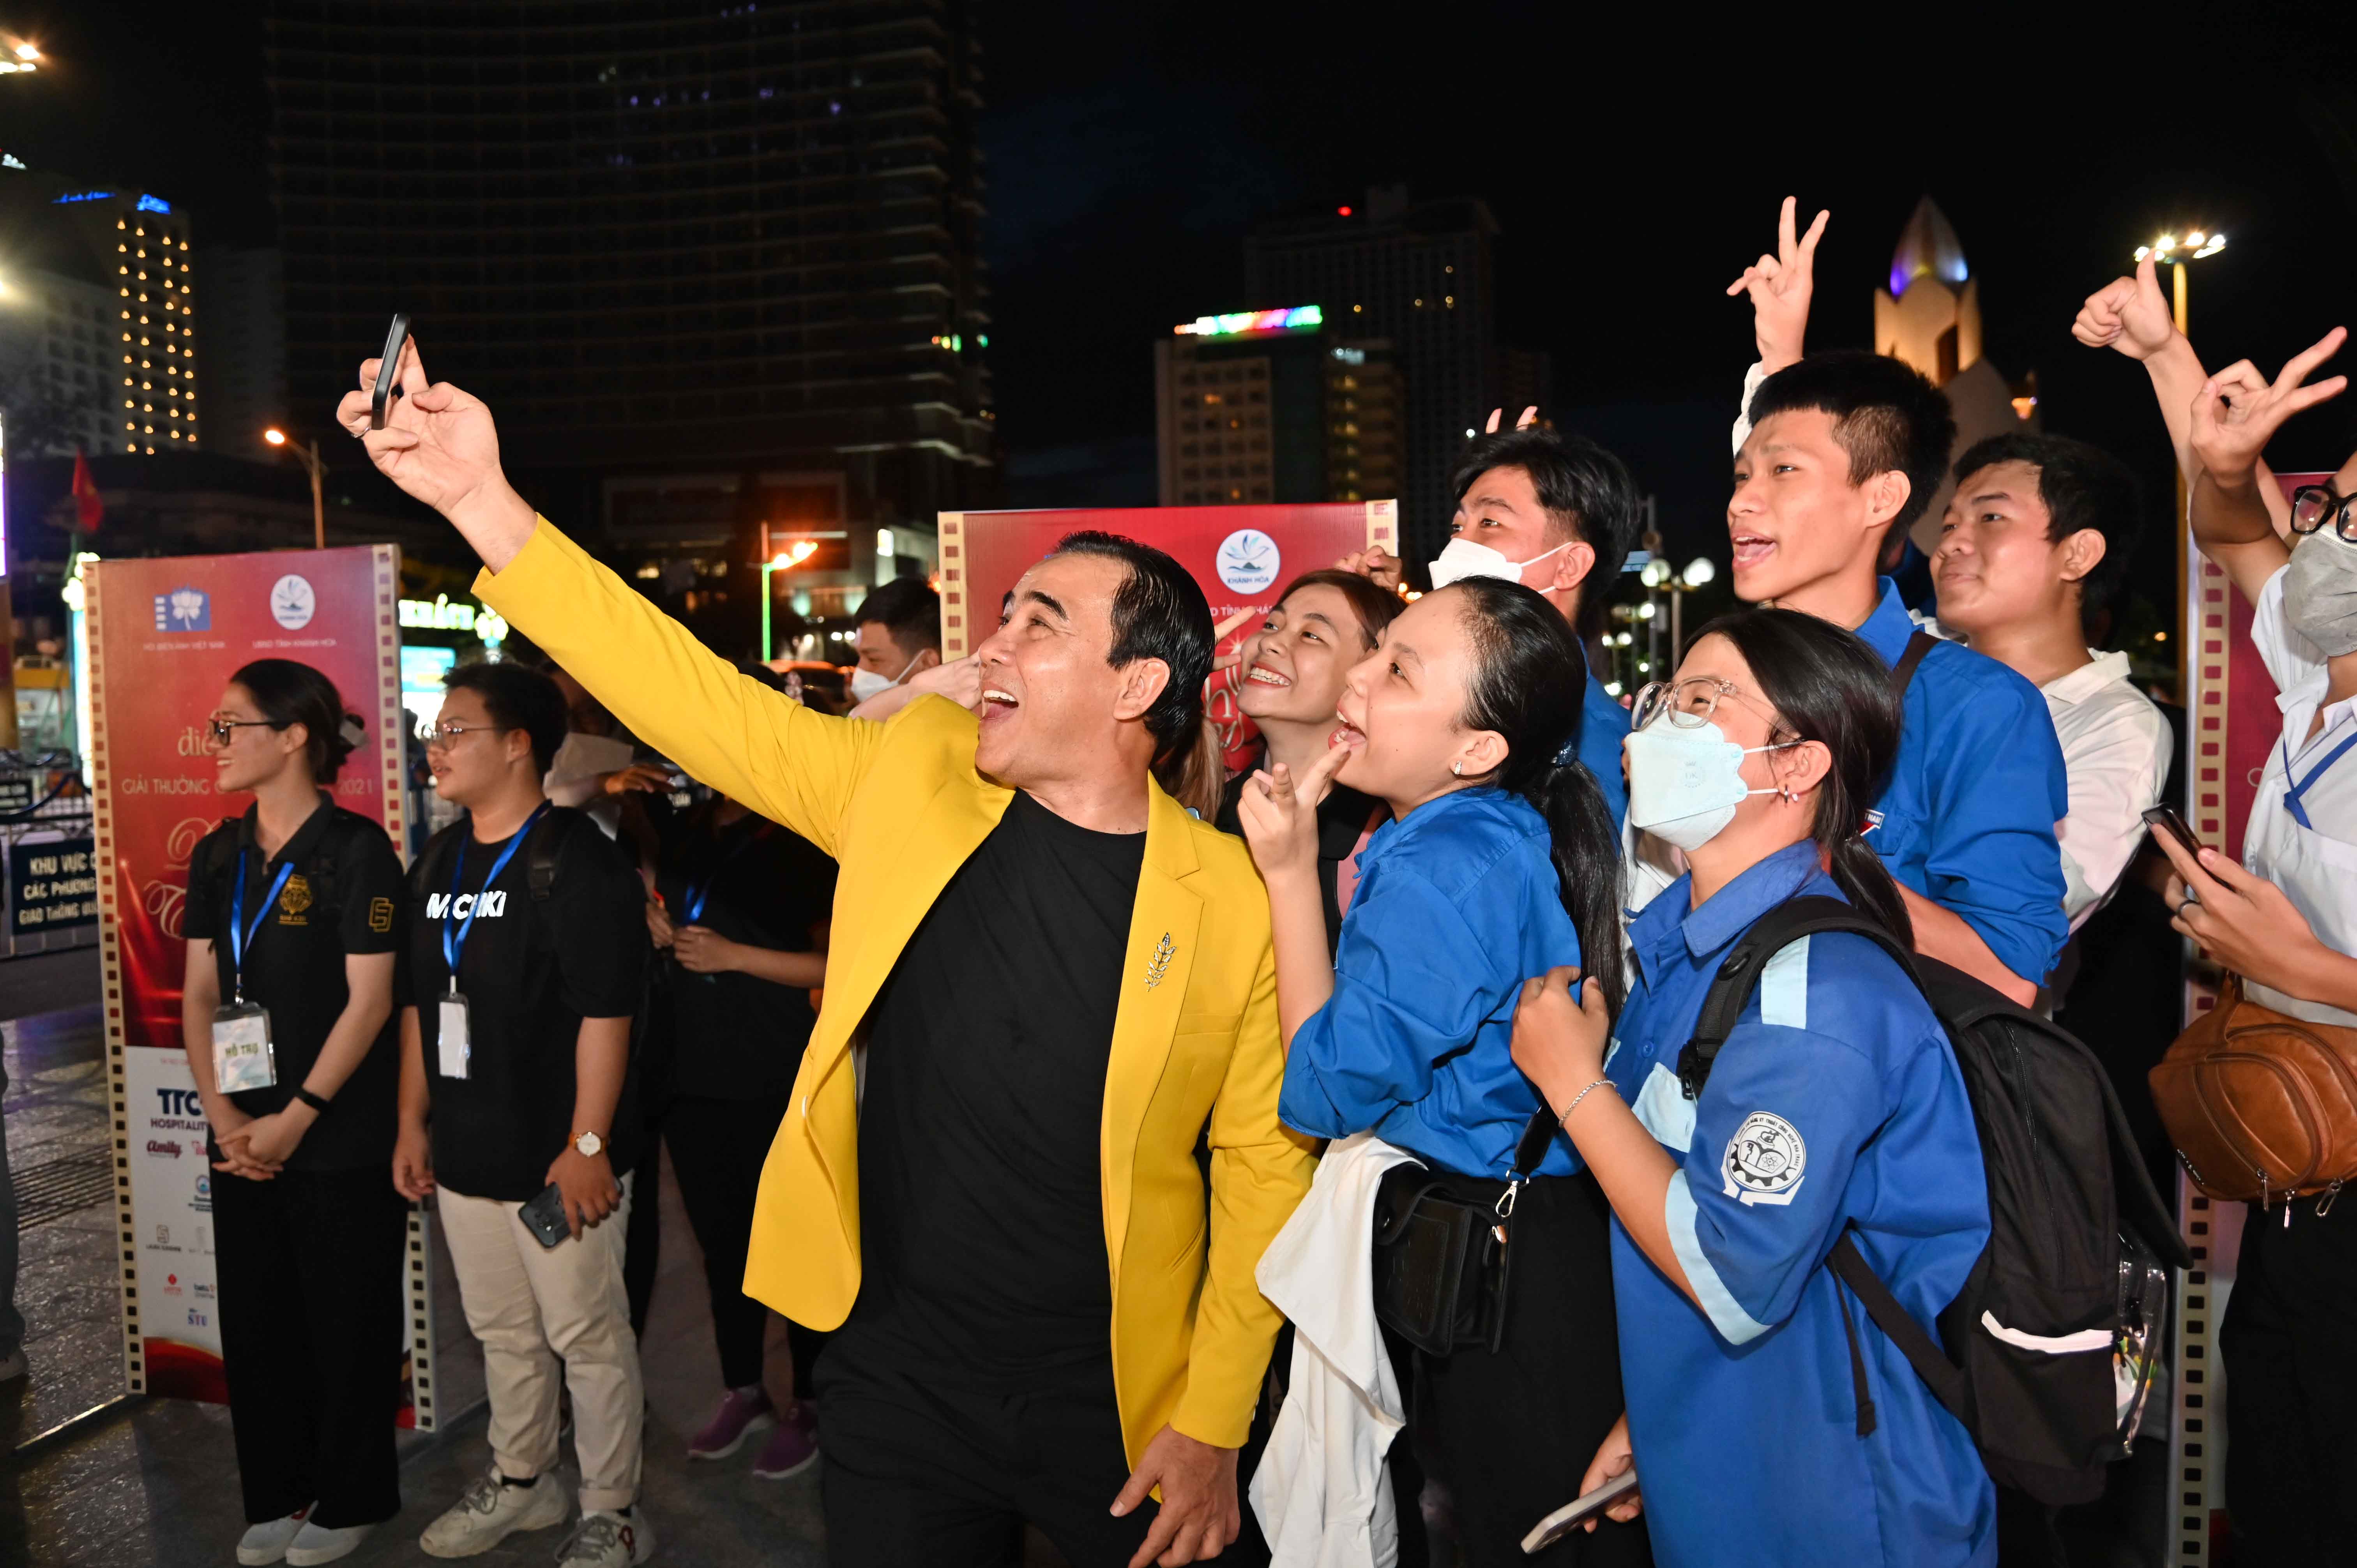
x,y
735,1037
345,895
530,970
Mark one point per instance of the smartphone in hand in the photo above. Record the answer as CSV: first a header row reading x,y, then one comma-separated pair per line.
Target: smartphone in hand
x,y
2165,820
545,1216
388,371
1578,1512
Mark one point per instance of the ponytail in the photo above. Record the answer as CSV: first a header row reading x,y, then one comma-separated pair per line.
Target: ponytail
x,y
1866,883
1585,846
1194,772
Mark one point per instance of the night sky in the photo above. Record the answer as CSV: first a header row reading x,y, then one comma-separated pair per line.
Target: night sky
x,y
1132,146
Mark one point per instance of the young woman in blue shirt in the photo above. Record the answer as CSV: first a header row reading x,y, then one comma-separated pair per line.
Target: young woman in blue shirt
x,y
1834,1105
1500,855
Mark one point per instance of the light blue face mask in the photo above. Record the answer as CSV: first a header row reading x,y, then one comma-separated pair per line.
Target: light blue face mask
x,y
1685,782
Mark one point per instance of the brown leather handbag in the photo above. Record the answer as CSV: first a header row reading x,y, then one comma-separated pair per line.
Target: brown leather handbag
x,y
2261,1106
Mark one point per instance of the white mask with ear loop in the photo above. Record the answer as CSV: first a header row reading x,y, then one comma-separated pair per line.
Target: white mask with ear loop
x,y
1685,783
867,683
1461,558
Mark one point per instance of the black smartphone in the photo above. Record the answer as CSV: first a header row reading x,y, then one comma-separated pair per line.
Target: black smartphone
x,y
1578,1512
388,371
2165,820
545,1216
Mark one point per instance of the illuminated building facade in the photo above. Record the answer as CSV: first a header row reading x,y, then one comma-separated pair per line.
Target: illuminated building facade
x,y
109,279
702,262
1418,277
1264,406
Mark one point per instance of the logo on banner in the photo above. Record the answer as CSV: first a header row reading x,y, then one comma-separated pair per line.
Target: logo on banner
x,y
292,602
184,609
1247,561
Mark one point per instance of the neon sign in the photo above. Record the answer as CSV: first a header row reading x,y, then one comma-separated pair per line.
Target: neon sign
x,y
1298,319
82,196
154,204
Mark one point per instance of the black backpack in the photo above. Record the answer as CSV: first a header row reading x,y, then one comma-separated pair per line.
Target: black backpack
x,y
2073,1273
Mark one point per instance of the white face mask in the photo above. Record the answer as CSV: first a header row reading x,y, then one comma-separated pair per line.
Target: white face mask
x,y
1685,784
1461,558
867,683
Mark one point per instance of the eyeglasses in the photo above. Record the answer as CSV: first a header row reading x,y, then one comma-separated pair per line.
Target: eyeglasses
x,y
447,732
2313,505
1689,703
220,727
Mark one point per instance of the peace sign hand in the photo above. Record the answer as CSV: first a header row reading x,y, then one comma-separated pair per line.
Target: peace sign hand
x,y
1280,816
1779,287
2237,412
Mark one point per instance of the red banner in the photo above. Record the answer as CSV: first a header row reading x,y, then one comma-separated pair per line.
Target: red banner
x,y
1242,555
165,635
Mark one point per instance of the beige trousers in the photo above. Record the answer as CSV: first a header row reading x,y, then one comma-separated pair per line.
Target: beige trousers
x,y
535,1307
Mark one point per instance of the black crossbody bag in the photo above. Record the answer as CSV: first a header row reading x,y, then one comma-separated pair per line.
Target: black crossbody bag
x,y
1443,1249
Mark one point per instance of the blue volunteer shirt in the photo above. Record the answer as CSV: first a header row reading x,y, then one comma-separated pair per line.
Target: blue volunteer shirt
x,y
1967,818
1603,726
1457,905
1836,1101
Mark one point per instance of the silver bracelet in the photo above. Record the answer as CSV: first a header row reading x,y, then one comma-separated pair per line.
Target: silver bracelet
x,y
1564,1118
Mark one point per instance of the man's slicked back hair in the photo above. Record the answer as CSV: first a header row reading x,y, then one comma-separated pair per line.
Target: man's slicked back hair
x,y
1586,492
1886,416
1158,612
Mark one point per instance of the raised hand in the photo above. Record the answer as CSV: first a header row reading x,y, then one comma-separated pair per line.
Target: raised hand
x,y
2238,411
440,446
1279,814
1375,564
2127,314
1779,287
1530,417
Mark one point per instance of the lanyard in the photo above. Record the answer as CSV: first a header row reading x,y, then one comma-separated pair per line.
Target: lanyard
x,y
2292,792
697,893
454,943
240,935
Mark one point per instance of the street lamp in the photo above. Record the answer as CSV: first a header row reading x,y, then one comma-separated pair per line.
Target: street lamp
x,y
310,459
1699,572
785,560
2178,251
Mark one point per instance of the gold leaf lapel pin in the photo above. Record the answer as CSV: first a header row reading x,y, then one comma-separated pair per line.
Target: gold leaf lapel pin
x,y
1159,964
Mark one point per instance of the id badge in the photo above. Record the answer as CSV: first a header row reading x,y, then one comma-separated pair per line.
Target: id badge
x,y
454,1044
242,1058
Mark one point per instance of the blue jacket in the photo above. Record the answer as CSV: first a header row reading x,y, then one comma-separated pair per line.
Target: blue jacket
x,y
1967,817
1835,1101
1457,905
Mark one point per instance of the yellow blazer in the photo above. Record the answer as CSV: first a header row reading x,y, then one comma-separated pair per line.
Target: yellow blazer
x,y
901,806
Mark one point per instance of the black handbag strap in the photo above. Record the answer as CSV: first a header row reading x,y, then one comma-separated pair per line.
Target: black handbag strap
x,y
1919,643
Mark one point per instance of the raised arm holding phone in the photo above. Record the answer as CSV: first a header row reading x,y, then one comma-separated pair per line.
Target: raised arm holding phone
x,y
1066,984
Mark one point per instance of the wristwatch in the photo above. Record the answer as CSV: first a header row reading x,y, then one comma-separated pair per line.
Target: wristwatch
x,y
589,1145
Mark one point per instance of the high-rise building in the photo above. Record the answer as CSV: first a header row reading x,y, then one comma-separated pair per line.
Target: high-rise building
x,y
719,252
1416,275
1264,406
104,276
244,382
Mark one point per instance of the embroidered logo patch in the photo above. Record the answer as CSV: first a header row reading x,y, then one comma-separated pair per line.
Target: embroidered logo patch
x,y
292,901
380,914
1765,1161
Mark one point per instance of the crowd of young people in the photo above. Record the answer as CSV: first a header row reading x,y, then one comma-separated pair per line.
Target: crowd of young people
x,y
999,1072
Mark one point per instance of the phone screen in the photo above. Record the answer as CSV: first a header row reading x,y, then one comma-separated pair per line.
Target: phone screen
x,y
388,371
2165,820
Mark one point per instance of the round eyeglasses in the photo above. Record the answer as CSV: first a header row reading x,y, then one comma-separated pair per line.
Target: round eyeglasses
x,y
447,732
1689,703
2313,505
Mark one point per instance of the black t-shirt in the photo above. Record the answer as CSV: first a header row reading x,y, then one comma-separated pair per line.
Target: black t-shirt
x,y
982,1214
735,1037
530,970
343,895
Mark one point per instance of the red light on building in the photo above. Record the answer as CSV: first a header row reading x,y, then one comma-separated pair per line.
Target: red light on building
x,y
1341,213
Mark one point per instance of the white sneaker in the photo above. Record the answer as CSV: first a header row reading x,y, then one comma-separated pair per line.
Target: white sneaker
x,y
268,1542
604,1540
490,1511
315,1544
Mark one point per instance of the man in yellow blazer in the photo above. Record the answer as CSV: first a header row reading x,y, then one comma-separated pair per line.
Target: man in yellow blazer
x,y
1062,984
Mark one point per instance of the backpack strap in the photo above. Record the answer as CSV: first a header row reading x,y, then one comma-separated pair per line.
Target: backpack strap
x,y
1902,675
547,839
1923,1353
1730,989
432,866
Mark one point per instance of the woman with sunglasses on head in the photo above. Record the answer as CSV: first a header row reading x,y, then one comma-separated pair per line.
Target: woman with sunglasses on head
x,y
293,918
1289,677
1500,855
1835,1106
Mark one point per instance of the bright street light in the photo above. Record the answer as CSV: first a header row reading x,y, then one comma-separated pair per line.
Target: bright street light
x,y
318,471
1698,571
785,560
274,437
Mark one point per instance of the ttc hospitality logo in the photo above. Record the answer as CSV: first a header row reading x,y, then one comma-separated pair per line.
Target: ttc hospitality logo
x,y
184,609
1247,561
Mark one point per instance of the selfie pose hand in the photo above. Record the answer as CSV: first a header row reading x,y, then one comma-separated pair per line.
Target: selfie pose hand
x,y
1280,814
440,446
1200,1516
1779,287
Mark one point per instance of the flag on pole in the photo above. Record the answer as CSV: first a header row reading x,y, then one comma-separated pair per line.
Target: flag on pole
x,y
87,509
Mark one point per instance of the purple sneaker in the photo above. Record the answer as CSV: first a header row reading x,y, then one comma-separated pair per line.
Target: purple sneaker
x,y
741,1413
792,1449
